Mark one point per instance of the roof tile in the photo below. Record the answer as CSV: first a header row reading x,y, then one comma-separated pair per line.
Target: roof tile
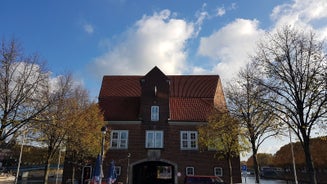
x,y
191,97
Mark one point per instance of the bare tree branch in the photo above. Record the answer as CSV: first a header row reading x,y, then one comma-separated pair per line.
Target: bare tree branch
x,y
23,85
294,66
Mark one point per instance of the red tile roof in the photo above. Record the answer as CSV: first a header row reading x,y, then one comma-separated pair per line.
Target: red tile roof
x,y
193,86
124,86
191,97
190,109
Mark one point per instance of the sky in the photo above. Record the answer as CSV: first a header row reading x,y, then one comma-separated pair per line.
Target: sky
x,y
93,38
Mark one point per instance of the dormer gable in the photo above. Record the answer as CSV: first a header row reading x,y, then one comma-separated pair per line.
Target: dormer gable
x,y
154,96
155,74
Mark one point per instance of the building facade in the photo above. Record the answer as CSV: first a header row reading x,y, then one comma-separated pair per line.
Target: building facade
x,y
152,122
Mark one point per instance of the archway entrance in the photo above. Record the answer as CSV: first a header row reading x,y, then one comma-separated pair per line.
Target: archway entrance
x,y
153,172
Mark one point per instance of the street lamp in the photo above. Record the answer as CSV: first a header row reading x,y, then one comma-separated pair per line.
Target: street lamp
x,y
128,156
20,156
293,159
58,165
103,131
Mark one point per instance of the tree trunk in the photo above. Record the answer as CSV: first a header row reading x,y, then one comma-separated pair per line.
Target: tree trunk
x,y
309,161
73,174
255,165
230,170
46,172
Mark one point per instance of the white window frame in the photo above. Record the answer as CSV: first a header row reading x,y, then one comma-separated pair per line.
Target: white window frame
x,y
189,171
189,140
218,171
155,113
118,170
119,142
164,172
152,141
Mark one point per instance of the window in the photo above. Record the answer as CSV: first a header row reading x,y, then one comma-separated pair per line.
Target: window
x,y
154,139
218,171
189,171
87,172
155,113
119,139
189,140
164,172
118,170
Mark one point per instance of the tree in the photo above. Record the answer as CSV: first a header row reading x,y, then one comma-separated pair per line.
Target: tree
x,y
221,133
294,66
264,159
282,158
245,102
32,155
83,143
66,120
23,88
53,124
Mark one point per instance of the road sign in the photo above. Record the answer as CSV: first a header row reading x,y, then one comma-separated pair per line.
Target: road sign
x,y
244,171
244,168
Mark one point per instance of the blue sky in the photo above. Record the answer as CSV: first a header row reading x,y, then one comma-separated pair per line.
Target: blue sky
x,y
92,38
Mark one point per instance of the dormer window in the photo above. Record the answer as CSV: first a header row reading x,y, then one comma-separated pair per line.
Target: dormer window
x,y
155,113
155,91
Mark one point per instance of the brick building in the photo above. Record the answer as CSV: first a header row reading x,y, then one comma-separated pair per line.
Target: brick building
x,y
153,122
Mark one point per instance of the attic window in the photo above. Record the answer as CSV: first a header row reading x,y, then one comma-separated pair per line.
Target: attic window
x,y
155,90
154,113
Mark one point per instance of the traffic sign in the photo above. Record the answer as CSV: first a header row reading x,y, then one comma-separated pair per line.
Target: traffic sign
x,y
244,168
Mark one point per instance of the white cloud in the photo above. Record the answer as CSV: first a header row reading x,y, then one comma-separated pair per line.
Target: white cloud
x,y
196,70
301,10
161,40
88,28
220,11
156,40
230,46
201,16
307,14
233,6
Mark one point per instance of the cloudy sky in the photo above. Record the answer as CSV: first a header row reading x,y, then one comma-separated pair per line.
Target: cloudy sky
x,y
92,38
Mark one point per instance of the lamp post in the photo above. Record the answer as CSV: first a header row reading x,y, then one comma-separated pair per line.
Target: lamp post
x,y
128,156
20,157
293,159
58,165
103,131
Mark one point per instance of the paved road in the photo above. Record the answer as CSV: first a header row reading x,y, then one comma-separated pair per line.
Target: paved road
x,y
251,180
11,180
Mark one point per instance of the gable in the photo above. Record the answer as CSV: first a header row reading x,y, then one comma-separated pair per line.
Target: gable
x,y
191,97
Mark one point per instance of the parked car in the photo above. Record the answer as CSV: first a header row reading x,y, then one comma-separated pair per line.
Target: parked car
x,y
200,179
